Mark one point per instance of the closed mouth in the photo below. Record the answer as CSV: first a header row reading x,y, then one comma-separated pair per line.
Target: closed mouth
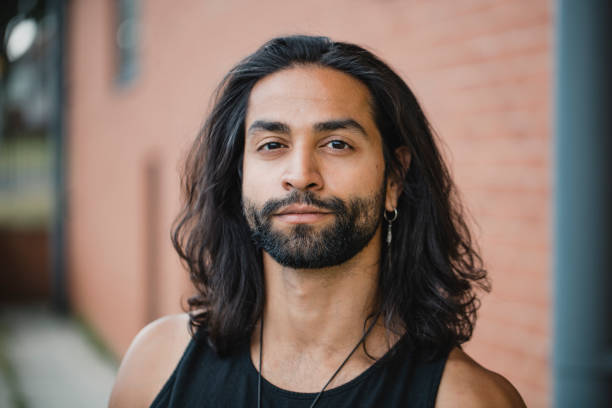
x,y
302,209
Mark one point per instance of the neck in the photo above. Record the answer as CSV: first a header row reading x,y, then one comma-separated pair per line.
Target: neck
x,y
314,317
316,308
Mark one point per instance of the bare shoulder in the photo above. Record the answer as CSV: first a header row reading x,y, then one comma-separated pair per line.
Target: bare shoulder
x,y
149,361
465,383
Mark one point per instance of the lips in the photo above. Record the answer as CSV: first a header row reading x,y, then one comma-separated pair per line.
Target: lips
x,y
301,209
301,214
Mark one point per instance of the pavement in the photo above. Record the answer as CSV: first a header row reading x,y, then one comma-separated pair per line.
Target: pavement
x,y
48,360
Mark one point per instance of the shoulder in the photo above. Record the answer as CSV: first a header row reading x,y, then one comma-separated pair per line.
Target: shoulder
x,y
465,383
149,361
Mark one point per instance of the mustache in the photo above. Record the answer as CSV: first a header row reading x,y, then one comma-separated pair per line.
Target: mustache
x,y
333,204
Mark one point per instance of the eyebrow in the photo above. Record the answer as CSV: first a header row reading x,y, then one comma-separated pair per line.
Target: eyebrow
x,y
274,127
327,126
336,124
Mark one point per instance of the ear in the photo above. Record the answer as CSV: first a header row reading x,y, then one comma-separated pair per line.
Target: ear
x,y
395,181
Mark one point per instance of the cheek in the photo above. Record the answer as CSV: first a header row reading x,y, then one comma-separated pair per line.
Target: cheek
x,y
359,179
255,182
355,188
247,183
249,188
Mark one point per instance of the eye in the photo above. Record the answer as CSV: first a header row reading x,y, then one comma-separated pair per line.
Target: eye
x,y
270,146
338,145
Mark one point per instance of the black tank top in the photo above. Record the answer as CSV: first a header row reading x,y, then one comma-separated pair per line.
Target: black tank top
x,y
203,379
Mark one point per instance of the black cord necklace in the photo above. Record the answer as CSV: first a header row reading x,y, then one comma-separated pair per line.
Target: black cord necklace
x,y
314,402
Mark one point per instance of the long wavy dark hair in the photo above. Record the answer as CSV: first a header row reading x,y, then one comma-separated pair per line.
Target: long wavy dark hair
x,y
426,286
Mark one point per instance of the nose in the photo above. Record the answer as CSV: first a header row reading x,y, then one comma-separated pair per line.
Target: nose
x,y
302,171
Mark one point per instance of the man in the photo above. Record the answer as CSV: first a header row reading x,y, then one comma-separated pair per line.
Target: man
x,y
332,263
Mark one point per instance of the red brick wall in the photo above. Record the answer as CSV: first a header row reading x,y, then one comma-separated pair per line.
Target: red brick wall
x,y
481,68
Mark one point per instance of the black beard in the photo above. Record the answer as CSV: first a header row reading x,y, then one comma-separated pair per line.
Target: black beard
x,y
305,247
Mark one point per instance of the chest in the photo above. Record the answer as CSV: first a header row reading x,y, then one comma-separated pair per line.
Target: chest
x,y
203,379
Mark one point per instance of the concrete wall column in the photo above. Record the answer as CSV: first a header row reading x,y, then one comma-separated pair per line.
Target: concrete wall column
x,y
583,205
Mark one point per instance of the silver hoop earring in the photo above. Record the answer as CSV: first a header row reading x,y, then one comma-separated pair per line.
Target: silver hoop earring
x,y
390,220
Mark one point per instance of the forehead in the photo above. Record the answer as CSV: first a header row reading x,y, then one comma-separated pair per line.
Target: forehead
x,y
308,93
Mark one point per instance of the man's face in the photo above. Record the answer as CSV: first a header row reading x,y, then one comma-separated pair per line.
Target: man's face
x,y
313,170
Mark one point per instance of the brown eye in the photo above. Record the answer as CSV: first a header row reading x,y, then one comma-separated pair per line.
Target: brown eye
x,y
271,146
338,145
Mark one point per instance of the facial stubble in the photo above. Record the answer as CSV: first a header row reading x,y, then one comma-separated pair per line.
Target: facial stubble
x,y
305,246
